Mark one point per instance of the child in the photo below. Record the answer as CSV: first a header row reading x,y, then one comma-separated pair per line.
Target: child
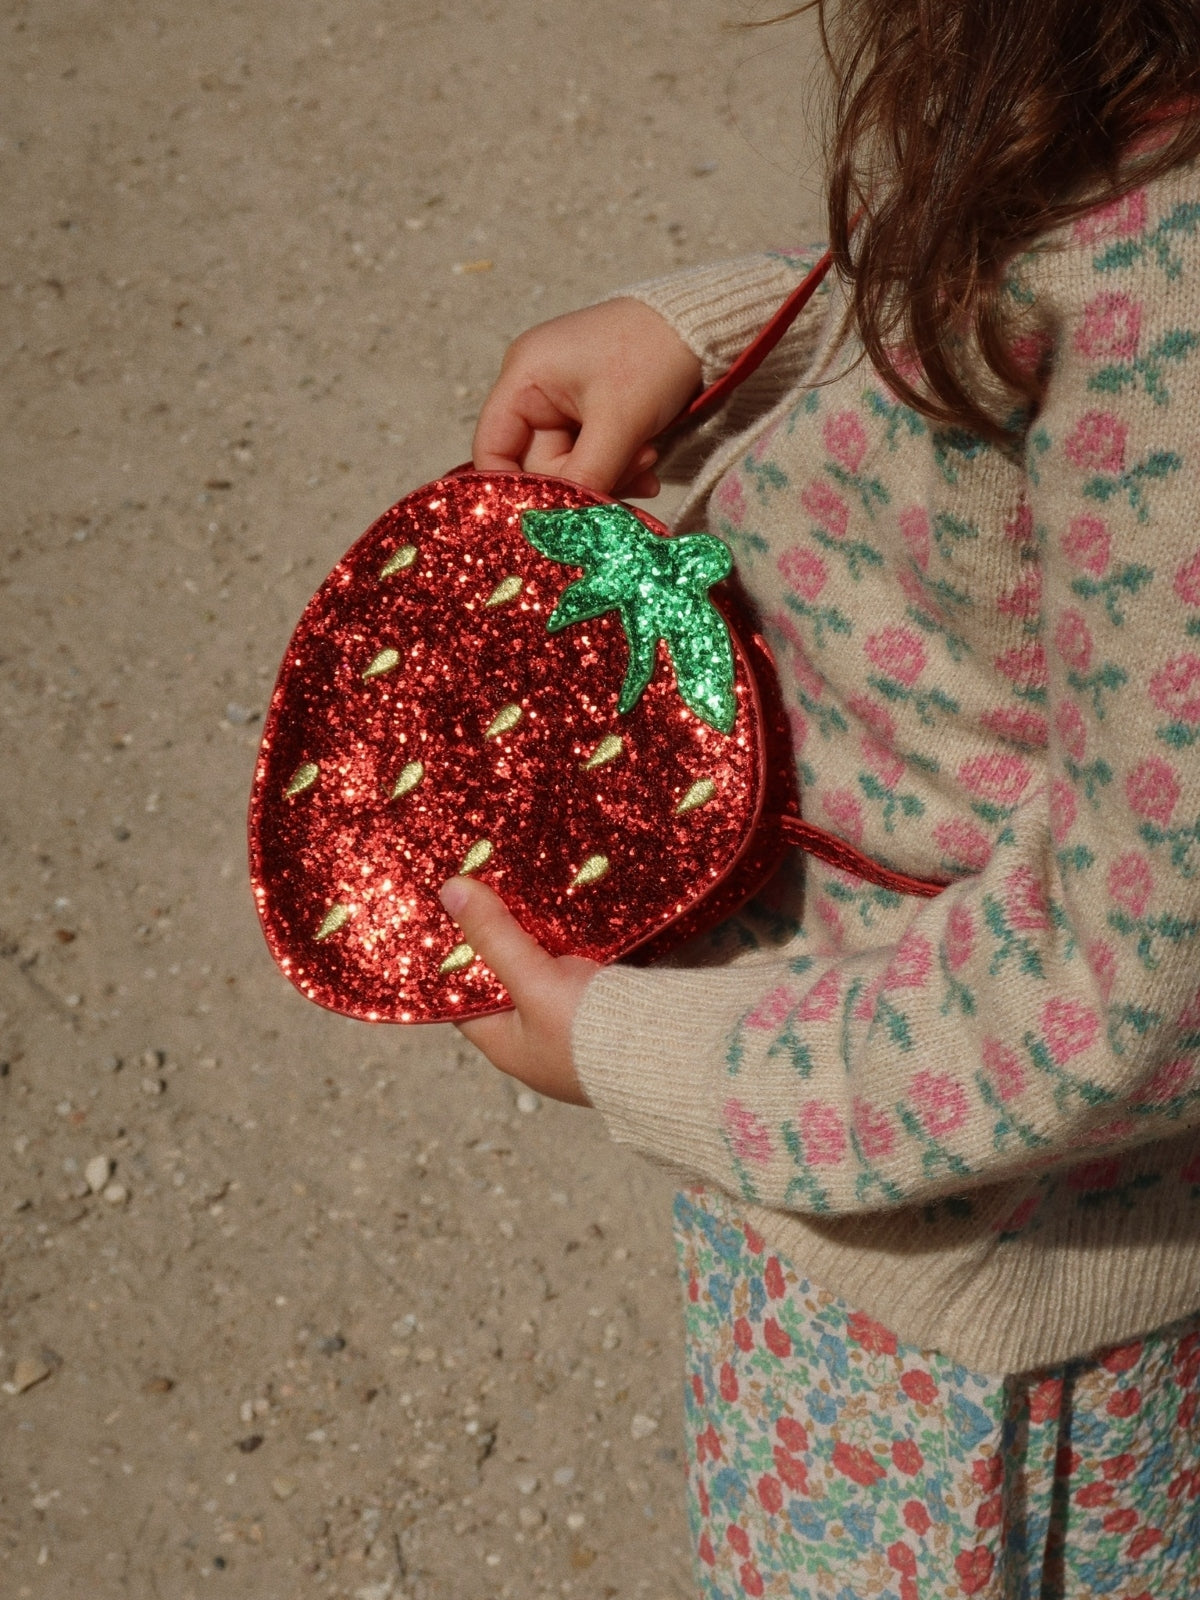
x,y
941,1246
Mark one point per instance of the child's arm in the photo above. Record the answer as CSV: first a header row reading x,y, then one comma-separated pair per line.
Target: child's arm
x,y
580,397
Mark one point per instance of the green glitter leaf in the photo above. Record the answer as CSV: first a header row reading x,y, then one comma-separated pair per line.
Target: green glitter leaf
x,y
660,588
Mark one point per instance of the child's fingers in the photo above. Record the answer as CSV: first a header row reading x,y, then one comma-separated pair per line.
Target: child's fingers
x,y
602,453
495,934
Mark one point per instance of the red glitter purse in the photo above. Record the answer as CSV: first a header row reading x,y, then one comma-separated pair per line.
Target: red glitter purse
x,y
510,676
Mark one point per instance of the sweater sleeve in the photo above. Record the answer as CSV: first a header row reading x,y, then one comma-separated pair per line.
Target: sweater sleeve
x,y
1047,1009
717,310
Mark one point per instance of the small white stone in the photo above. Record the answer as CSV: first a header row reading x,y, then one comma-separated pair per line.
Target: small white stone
x,y
564,1476
527,1101
97,1173
376,1591
526,1482
283,1488
153,1086
531,1517
115,1193
642,1426
576,1521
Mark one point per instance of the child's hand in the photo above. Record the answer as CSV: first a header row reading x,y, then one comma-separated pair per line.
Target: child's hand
x,y
532,1043
580,397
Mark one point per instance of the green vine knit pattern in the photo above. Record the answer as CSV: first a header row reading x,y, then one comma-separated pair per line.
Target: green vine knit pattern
x,y
975,1117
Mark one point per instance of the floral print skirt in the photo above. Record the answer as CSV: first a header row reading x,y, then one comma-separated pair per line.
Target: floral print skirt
x,y
829,1461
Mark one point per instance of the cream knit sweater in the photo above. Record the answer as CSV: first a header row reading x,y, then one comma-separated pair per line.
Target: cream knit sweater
x,y
976,1117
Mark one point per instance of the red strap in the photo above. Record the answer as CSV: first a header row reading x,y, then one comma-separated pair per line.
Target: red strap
x,y
757,351
836,852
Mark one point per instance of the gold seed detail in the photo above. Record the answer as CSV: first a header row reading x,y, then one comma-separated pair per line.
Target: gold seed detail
x,y
608,749
461,956
336,918
408,779
701,792
507,717
477,856
592,870
507,589
399,560
303,778
383,662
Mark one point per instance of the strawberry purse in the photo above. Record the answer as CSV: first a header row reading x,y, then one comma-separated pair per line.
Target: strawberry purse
x,y
510,676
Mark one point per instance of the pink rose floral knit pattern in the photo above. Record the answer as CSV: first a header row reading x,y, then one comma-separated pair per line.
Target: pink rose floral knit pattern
x,y
828,1459
991,663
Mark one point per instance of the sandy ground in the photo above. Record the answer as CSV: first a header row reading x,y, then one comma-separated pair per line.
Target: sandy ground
x,y
292,1306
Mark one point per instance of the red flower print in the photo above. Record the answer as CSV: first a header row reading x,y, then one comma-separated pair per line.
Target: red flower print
x,y
1131,883
874,1131
1019,527
963,843
1018,725
917,1517
878,718
960,937
871,1335
752,1583
1019,1216
1115,219
1110,327
774,1278
693,1287
939,1100
1025,901
794,1473
906,1454
771,1011
712,1443
730,499
974,1568
1045,1399
749,1136
1175,688
1117,1468
901,1558
777,1340
845,439
1187,581
1071,729
1094,1494
988,1473
1069,1027
823,1132
908,1588
1122,1520
1024,599
738,1538
1024,666
770,1494
886,766
821,1001
698,1388
794,1434
755,1242
864,1006
743,1334
728,1383
702,1494
1097,443
1095,1177
857,1464
911,965
1063,809
1165,1083
914,530
1073,640
1102,960
827,509
1088,543
919,1386
1152,789
804,572
899,653
1145,1539
1189,1405
1124,1403
989,1512
1001,778
707,1554
844,811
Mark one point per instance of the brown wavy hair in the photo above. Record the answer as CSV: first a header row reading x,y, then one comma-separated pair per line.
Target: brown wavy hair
x,y
965,129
